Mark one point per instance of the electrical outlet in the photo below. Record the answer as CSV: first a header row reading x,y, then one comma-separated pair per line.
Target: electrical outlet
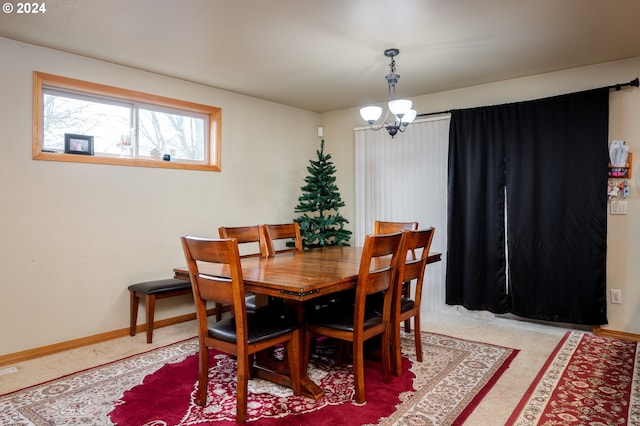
x,y
616,296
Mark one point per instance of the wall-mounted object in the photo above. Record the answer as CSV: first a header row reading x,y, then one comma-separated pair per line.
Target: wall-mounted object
x,y
622,172
617,187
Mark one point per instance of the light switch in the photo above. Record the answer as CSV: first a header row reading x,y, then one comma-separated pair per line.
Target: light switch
x,y
619,207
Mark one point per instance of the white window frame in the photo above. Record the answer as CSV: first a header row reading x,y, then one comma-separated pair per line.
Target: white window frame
x,y
54,82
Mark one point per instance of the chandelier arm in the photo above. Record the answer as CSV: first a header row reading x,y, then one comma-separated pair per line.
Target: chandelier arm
x,y
383,124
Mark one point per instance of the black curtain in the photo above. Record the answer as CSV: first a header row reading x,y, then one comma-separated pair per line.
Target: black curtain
x,y
475,234
550,156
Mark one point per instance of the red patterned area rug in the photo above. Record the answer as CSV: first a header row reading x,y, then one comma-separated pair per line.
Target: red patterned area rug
x,y
587,380
159,388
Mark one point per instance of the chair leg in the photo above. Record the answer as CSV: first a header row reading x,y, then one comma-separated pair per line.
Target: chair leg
x,y
386,339
203,375
150,304
418,336
396,356
133,312
406,290
358,370
242,388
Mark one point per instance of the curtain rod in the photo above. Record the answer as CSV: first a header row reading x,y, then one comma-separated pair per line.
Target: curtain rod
x,y
635,83
427,114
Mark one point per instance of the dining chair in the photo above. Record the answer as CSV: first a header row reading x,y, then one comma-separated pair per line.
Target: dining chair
x,y
356,322
244,333
384,227
252,243
278,236
403,308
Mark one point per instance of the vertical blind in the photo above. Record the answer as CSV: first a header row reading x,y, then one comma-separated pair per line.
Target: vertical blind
x,y
404,179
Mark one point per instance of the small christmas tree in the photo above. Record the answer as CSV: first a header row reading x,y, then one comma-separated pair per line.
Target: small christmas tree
x,y
321,224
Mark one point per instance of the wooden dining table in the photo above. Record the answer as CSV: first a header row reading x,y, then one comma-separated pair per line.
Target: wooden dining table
x,y
297,277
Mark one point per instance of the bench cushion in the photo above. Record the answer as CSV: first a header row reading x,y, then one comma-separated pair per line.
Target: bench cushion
x,y
160,286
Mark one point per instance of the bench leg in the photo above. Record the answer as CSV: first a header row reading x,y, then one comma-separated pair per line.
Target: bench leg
x,y
133,312
150,305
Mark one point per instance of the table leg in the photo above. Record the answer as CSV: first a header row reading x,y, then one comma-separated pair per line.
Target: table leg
x,y
276,371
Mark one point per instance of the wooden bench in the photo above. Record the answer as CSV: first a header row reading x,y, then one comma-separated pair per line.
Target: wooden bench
x,y
152,290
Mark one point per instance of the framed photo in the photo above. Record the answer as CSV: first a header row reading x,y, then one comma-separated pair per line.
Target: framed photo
x,y
78,144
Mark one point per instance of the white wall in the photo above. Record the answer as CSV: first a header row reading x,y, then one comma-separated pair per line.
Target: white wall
x,y
74,236
623,258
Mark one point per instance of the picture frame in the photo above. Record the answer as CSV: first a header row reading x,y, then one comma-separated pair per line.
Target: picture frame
x,y
78,144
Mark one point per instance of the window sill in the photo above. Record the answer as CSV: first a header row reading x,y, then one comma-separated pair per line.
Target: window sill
x,y
117,161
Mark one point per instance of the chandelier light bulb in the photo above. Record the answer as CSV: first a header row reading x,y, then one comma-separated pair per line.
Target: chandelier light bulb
x,y
371,113
409,117
400,107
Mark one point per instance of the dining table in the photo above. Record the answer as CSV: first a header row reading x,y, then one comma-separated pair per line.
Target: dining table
x,y
296,277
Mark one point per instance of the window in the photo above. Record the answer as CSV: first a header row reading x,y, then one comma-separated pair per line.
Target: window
x,y
128,128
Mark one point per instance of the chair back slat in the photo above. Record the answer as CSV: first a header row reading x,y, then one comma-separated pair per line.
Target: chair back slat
x,y
383,227
413,268
215,289
223,259
377,271
251,239
278,235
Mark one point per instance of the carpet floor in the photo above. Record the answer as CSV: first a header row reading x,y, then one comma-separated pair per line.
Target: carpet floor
x,y
442,390
587,380
535,343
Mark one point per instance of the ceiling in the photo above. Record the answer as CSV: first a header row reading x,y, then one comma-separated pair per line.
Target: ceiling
x,y
326,55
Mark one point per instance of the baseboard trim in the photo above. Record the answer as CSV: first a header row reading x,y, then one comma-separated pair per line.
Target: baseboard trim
x,y
599,331
103,337
90,340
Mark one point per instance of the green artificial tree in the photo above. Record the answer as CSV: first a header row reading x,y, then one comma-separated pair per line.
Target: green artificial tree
x,y
321,224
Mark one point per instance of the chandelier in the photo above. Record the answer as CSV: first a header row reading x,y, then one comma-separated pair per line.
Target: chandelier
x,y
399,108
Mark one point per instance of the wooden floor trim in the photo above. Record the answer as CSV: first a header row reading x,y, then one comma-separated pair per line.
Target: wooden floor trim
x,y
103,337
90,340
599,331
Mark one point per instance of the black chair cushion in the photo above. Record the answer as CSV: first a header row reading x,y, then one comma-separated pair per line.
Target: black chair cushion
x,y
261,325
160,286
340,317
250,302
406,304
